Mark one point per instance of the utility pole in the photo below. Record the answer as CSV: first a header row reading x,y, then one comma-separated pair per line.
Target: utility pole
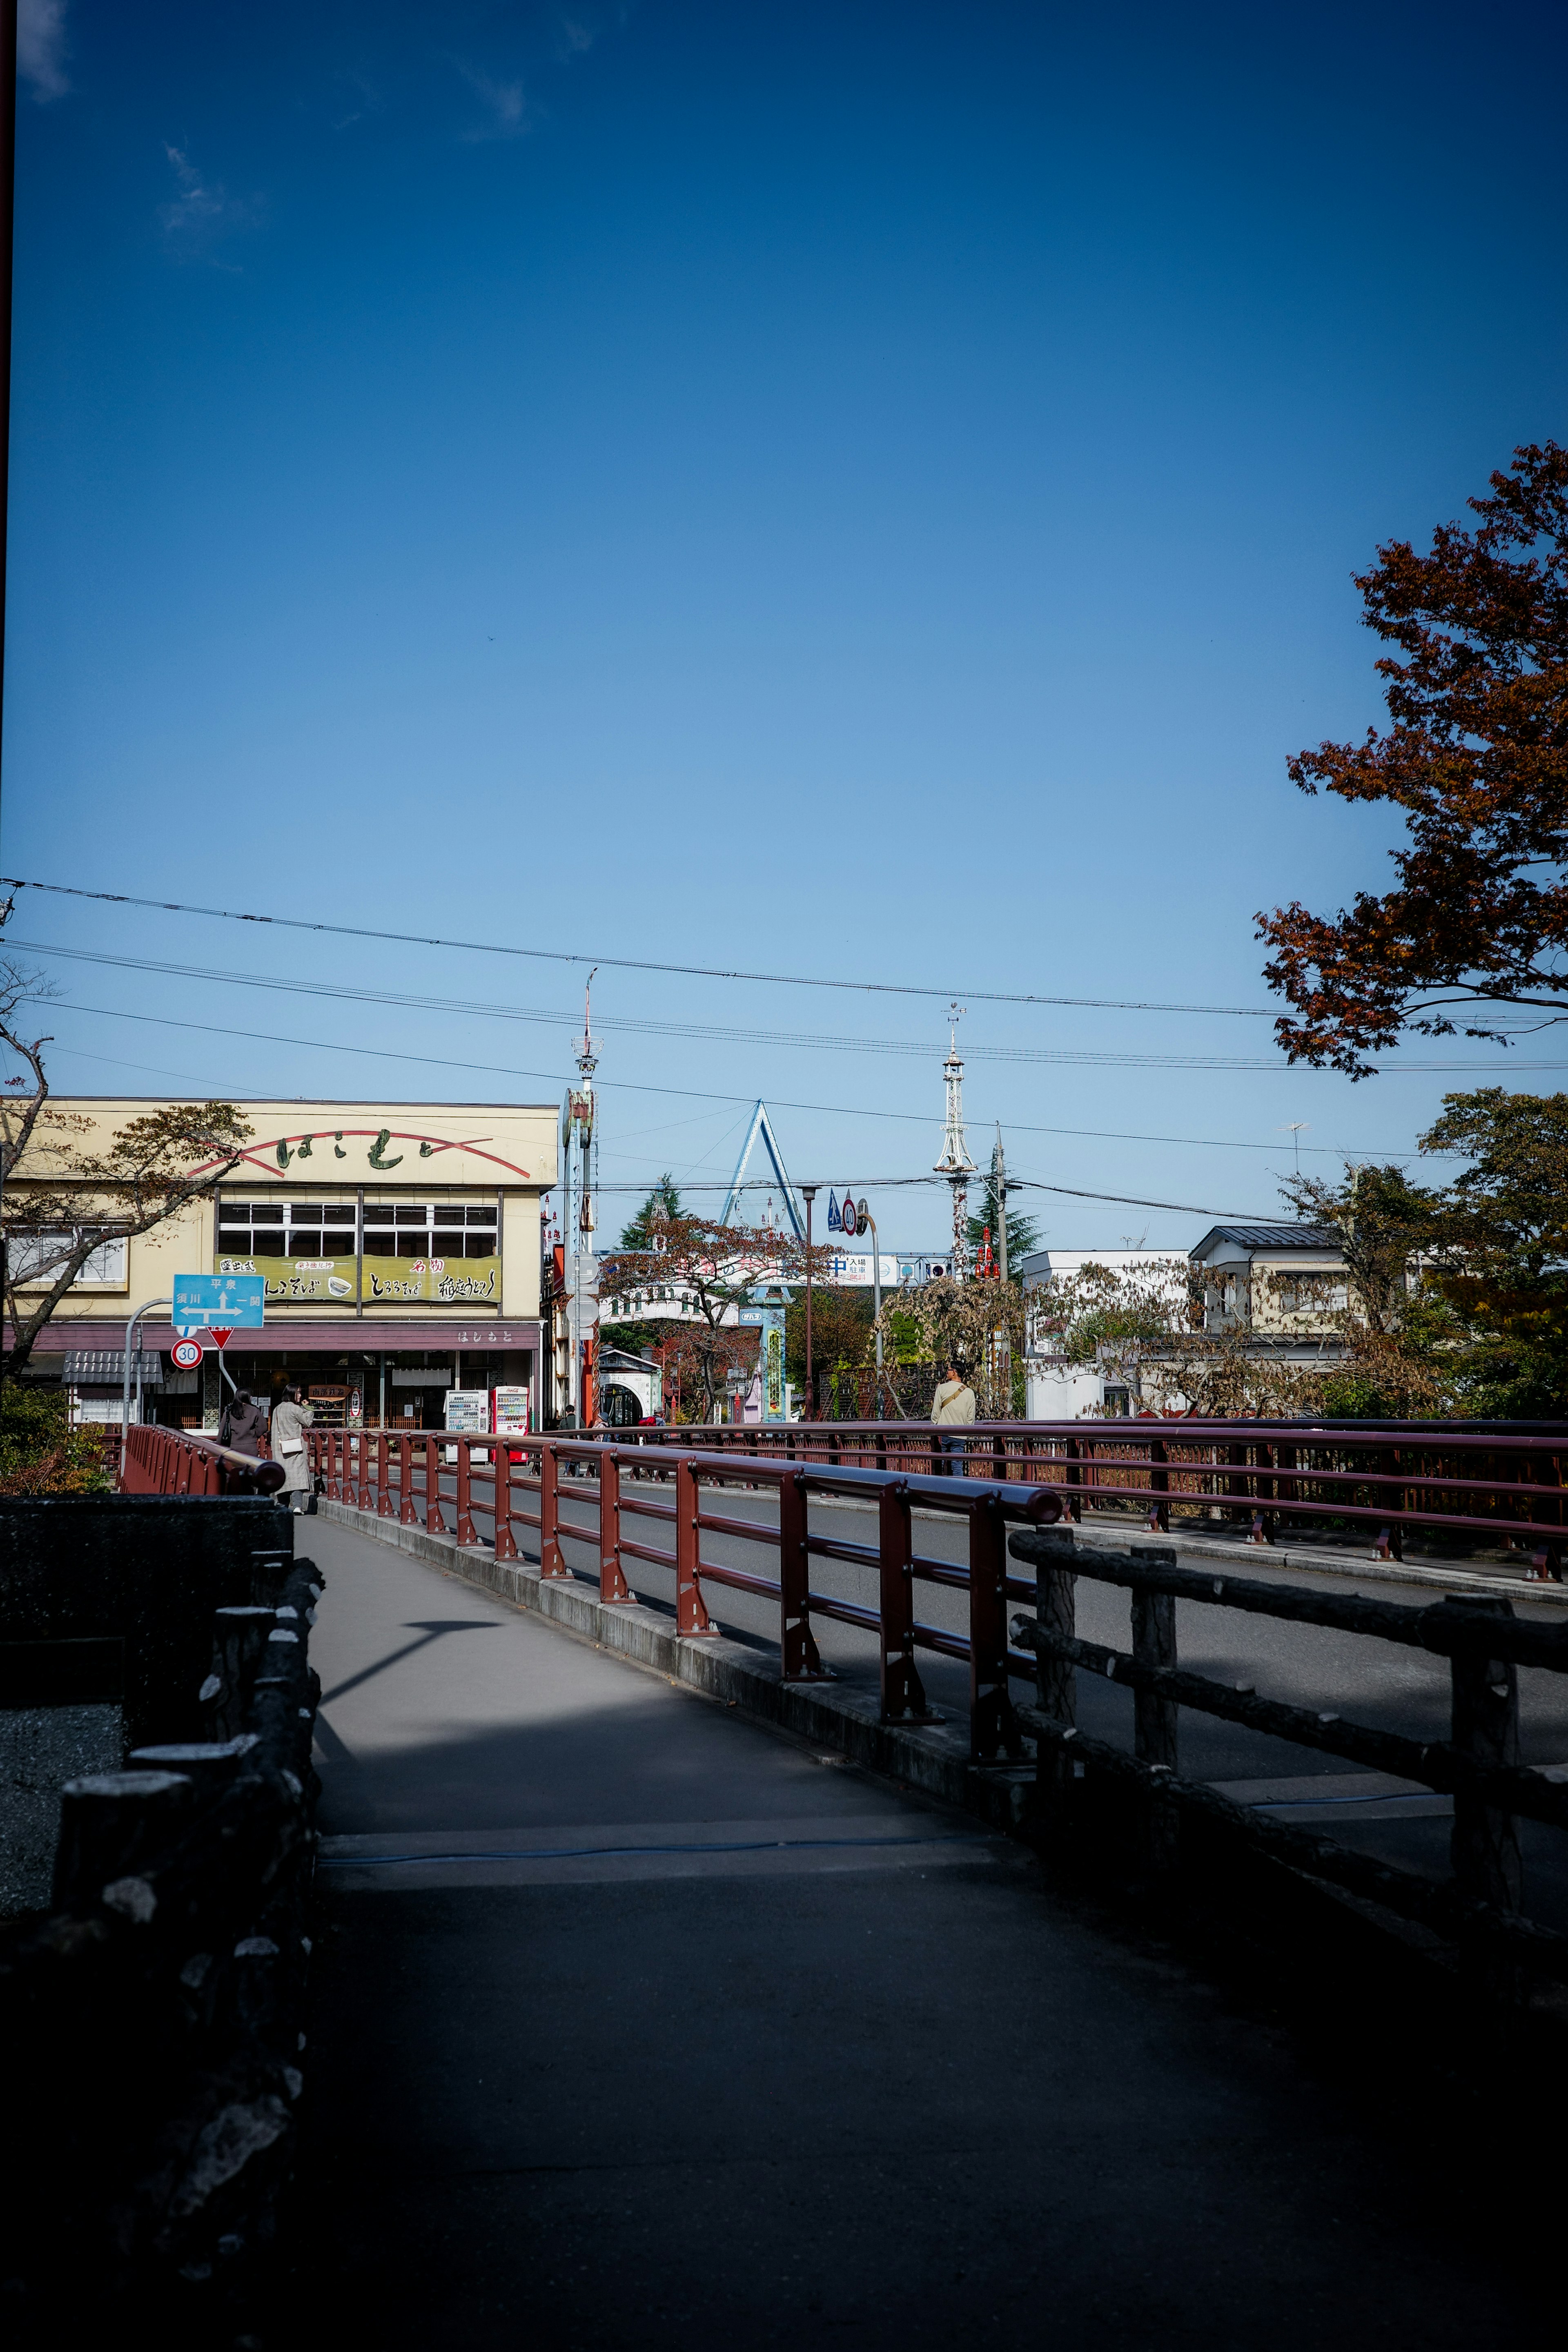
x,y
808,1194
580,1197
877,1305
999,1186
955,1163
8,240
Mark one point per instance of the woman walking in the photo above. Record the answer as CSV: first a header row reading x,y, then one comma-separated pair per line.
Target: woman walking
x,y
243,1426
290,1419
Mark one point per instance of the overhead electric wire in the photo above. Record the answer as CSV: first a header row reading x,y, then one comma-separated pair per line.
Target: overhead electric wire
x,y
684,1093
1014,1184
634,963
338,993
547,1016
872,1184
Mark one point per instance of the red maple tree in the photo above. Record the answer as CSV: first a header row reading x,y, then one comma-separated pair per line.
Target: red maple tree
x,y
1477,755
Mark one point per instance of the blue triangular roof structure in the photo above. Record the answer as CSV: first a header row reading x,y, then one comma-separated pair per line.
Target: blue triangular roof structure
x,y
761,1126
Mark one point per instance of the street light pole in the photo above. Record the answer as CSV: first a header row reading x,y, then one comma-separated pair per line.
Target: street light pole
x,y
877,1305
146,1308
8,240
808,1194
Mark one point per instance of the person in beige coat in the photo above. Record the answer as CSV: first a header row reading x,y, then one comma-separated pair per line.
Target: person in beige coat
x,y
290,1419
952,1404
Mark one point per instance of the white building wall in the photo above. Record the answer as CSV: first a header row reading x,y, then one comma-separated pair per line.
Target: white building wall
x,y
1053,1389
1056,1390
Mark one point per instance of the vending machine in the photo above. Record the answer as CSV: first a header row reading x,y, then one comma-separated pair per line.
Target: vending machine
x,y
468,1410
510,1411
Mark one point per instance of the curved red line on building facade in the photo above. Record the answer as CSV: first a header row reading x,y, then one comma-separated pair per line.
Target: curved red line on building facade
x,y
394,1135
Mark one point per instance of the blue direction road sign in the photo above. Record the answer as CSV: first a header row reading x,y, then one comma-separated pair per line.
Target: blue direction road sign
x,y
233,1300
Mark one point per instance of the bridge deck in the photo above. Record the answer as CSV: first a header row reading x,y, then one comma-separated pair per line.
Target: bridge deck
x,y
634,2020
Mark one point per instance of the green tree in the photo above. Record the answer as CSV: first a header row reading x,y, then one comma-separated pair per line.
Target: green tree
x,y
1404,1345
840,1331
1501,1248
1382,1222
40,1454
662,1203
638,1236
1023,1233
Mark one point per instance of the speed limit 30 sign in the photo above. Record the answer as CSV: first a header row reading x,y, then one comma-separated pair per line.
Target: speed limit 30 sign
x,y
187,1354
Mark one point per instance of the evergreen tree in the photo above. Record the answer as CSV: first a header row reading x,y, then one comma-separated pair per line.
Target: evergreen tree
x,y
637,1234
1023,1234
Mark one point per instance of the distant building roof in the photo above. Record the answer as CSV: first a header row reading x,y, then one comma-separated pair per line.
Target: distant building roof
x,y
1312,1237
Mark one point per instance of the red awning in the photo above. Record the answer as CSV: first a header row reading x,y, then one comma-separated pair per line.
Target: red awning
x,y
281,1336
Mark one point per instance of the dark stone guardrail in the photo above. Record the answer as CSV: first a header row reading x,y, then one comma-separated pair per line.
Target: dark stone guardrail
x,y
153,2013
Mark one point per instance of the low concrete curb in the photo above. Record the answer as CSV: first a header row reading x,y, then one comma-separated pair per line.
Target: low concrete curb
x,y
933,1759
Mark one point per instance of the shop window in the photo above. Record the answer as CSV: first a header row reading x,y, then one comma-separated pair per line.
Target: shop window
x,y
34,1259
287,1229
327,1229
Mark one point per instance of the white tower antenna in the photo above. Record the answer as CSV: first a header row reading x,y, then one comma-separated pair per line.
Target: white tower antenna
x,y
955,1163
578,1128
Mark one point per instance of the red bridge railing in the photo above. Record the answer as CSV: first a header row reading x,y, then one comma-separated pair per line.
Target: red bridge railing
x,y
157,1461
522,1482
1467,1487
655,1499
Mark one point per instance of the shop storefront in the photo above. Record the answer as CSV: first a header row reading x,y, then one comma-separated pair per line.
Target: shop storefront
x,y
399,1245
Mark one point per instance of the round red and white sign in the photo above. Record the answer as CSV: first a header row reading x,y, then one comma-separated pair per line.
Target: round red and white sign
x,y
186,1354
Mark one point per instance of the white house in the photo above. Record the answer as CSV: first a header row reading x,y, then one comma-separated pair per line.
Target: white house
x,y
1056,1389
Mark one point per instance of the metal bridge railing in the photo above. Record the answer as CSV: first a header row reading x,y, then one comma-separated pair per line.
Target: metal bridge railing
x,y
655,1499
519,1482
157,1461
1388,1481
1480,1907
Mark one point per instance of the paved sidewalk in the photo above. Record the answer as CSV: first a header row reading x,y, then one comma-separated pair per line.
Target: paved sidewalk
x,y
635,2025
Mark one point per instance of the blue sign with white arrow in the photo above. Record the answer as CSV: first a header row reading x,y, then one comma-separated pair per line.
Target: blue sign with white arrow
x,y
232,1301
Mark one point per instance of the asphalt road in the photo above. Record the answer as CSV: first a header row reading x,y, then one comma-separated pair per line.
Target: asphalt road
x,y
637,2024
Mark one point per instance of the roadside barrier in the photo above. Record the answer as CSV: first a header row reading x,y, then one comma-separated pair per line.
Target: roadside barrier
x,y
1481,1907
1390,1480
660,1487
639,1495
153,2021
157,1461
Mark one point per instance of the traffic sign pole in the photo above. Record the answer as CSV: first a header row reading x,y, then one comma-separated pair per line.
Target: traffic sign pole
x,y
221,1304
145,1308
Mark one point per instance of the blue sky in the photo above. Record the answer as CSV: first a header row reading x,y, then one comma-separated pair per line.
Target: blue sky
x,y
852,490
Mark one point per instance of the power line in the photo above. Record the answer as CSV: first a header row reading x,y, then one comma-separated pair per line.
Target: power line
x,y
1024,1183
550,1017
335,991
632,963
684,1093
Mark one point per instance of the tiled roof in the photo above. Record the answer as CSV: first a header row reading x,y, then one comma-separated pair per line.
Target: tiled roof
x,y
1281,1236
92,1367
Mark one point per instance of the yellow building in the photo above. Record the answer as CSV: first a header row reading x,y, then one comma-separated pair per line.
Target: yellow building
x,y
1284,1281
400,1244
